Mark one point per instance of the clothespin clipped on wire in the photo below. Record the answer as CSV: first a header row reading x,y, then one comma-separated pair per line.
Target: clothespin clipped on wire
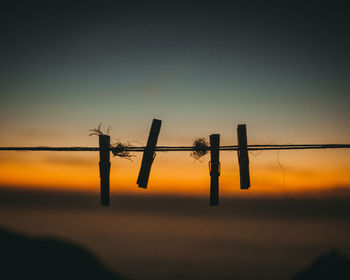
x,y
149,154
243,158
214,169
105,166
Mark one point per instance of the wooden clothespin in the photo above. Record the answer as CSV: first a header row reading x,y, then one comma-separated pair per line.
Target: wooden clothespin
x,y
214,169
243,158
148,154
105,165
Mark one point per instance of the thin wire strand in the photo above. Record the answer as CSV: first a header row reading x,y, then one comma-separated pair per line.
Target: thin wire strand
x,y
186,148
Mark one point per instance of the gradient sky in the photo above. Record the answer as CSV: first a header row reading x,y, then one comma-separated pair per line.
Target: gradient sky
x,y
201,67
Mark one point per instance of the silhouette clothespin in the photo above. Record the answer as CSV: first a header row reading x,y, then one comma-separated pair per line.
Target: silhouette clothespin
x,y
214,169
243,158
148,154
105,165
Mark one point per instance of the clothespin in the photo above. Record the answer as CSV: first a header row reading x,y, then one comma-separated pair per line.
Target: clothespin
x,y
214,169
243,158
105,165
148,154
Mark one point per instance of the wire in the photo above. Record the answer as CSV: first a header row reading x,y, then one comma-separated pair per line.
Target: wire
x,y
186,148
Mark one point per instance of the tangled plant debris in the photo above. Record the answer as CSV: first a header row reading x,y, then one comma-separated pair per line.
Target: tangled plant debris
x,y
97,131
121,150
200,148
118,149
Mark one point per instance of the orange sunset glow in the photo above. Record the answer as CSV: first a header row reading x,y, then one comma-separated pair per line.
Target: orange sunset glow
x,y
289,172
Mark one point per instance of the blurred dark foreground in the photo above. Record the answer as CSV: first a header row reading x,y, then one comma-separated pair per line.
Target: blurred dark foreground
x,y
24,257
160,237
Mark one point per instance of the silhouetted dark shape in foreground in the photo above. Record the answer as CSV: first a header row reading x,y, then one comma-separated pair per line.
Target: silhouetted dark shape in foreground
x,y
23,257
330,266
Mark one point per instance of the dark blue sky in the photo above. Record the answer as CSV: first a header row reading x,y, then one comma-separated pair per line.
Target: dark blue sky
x,y
279,67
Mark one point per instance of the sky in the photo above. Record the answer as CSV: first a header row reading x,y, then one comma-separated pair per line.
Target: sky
x,y
201,67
